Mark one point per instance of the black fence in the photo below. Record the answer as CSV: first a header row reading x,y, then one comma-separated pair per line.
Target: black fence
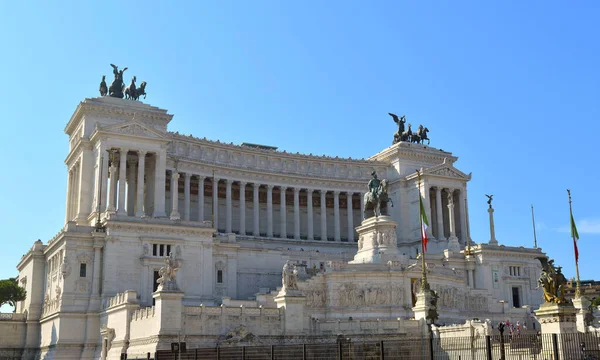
x,y
532,347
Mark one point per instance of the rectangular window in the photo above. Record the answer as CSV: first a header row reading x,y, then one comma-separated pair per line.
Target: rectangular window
x,y
154,249
82,270
516,297
162,250
168,250
219,276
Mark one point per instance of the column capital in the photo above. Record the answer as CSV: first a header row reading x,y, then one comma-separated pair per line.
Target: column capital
x,y
123,150
142,152
201,177
310,191
228,182
297,190
336,192
256,185
270,187
350,193
243,183
216,179
438,189
188,175
175,174
282,188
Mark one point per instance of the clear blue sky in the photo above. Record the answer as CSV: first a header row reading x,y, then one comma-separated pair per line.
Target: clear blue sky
x,y
511,87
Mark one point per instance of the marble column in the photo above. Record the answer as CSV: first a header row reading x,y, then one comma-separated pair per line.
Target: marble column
x,y
362,207
493,240
255,210
439,213
186,196
160,174
270,210
336,216
453,244
69,192
309,214
350,218
139,208
122,181
462,220
175,196
297,213
228,206
112,197
200,198
131,186
283,212
104,179
323,214
215,203
242,208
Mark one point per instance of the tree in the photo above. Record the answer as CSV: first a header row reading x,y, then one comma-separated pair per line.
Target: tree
x,y
11,292
596,301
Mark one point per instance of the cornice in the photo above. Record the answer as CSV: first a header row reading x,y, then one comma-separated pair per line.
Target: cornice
x,y
120,108
153,228
282,154
416,152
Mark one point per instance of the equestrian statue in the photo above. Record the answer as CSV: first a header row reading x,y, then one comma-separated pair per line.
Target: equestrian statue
x,y
376,199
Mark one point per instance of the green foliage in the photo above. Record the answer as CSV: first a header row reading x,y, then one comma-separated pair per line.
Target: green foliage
x,y
596,301
11,292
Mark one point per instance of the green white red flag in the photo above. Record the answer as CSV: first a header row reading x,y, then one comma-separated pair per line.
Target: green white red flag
x,y
575,237
424,225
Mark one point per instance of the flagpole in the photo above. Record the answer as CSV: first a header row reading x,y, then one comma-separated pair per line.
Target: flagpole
x,y
578,287
424,283
534,235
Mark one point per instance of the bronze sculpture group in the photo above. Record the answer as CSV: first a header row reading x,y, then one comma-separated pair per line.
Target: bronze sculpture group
x,y
553,283
117,87
418,137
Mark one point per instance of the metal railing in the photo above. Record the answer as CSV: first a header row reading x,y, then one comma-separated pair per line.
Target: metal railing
x,y
519,347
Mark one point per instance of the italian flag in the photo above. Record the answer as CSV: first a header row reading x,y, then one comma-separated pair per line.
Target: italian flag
x,y
424,224
575,237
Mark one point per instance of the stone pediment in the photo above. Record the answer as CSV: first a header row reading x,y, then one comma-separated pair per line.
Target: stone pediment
x,y
134,128
447,171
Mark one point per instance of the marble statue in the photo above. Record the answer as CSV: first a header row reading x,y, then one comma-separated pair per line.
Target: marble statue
x,y
168,280
289,276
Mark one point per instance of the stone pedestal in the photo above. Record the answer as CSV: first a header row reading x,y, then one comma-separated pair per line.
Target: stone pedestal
x,y
422,308
169,307
581,304
293,304
556,319
377,241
